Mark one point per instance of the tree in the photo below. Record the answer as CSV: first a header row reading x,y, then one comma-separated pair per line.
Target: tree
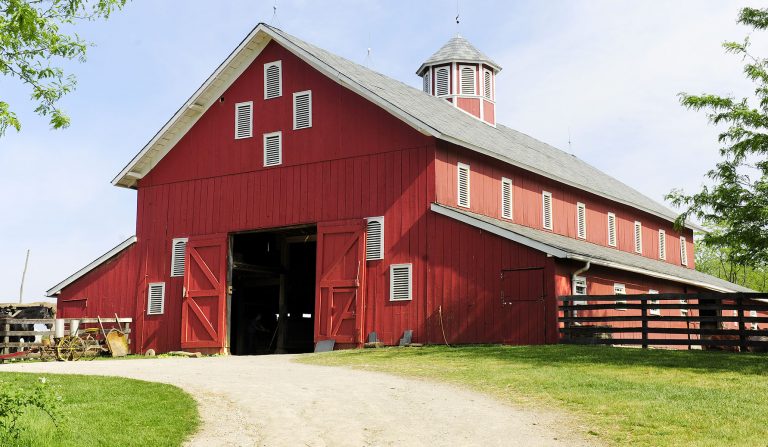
x,y
715,262
32,43
736,203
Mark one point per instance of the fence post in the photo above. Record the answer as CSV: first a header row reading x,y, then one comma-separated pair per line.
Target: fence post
x,y
644,317
6,338
742,328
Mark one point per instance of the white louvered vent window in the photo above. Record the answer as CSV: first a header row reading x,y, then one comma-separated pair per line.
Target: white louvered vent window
x,y
442,81
302,110
619,289
611,229
683,310
653,310
662,245
638,237
273,80
273,149
487,84
463,185
579,285
426,82
400,282
178,251
156,298
374,239
683,251
243,120
506,198
546,205
468,81
581,220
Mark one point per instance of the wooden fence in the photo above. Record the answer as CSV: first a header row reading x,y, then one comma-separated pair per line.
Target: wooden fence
x,y
9,332
730,321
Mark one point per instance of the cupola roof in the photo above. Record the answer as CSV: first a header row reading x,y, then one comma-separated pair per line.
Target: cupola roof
x,y
458,49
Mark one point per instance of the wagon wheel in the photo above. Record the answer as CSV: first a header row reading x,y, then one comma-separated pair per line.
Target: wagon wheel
x,y
92,346
70,348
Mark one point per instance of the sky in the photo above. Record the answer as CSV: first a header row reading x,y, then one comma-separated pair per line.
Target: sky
x,y
596,78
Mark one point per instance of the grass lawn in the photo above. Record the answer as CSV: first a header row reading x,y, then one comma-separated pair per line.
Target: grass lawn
x,y
627,396
107,411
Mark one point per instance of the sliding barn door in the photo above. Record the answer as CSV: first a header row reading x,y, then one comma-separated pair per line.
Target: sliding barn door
x,y
339,301
203,306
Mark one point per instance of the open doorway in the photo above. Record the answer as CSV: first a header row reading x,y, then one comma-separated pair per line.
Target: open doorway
x,y
273,291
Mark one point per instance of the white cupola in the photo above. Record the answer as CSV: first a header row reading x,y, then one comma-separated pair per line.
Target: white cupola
x,y
464,76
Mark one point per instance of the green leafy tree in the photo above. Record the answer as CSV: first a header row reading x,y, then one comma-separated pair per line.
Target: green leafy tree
x,y
32,44
736,201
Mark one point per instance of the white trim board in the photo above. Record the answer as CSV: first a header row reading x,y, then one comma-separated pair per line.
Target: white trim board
x,y
100,260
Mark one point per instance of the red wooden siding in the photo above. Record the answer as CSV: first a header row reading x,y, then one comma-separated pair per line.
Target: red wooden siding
x,y
489,112
470,105
485,192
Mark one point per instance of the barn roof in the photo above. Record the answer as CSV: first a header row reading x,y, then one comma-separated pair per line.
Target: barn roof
x,y
426,113
569,248
458,49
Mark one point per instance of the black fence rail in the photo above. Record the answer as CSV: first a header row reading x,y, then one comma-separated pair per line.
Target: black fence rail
x,y
725,321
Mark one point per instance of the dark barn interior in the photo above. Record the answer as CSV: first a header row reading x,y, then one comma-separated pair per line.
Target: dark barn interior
x,y
273,291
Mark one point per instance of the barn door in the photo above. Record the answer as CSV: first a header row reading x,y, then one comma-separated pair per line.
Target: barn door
x,y
524,306
204,299
340,282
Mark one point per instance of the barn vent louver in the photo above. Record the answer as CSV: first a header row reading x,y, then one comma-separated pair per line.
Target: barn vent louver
x,y
442,81
506,198
273,80
400,282
426,84
488,84
374,239
273,149
611,229
546,204
156,298
463,185
468,82
638,237
178,252
581,220
302,110
244,120
683,251
662,245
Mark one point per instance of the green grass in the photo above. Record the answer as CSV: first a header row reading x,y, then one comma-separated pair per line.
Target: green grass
x,y
625,396
107,411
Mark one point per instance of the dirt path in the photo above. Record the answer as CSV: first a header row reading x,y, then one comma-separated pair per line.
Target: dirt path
x,y
272,401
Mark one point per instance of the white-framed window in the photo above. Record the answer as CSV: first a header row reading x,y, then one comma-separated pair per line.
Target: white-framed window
x,y
273,80
156,298
374,239
273,149
488,84
754,326
684,310
243,120
619,289
462,183
506,198
611,230
683,251
546,206
302,110
427,82
653,310
662,245
468,81
401,282
581,220
442,81
638,237
178,253
579,287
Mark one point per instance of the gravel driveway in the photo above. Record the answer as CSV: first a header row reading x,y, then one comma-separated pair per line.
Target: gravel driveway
x,y
273,401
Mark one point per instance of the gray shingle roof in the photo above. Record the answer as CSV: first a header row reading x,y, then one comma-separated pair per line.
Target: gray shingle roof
x,y
596,252
500,142
458,49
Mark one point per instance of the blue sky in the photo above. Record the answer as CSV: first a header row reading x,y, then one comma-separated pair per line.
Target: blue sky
x,y
604,72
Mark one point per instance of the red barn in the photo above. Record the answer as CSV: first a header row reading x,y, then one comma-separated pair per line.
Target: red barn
x,y
299,197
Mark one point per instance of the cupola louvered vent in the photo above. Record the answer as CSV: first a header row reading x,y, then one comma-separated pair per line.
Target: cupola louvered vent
x,y
178,252
662,245
488,84
463,185
442,81
611,229
683,251
302,110
638,237
506,198
273,148
374,239
467,80
581,220
426,83
273,80
546,203
400,282
156,298
244,120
